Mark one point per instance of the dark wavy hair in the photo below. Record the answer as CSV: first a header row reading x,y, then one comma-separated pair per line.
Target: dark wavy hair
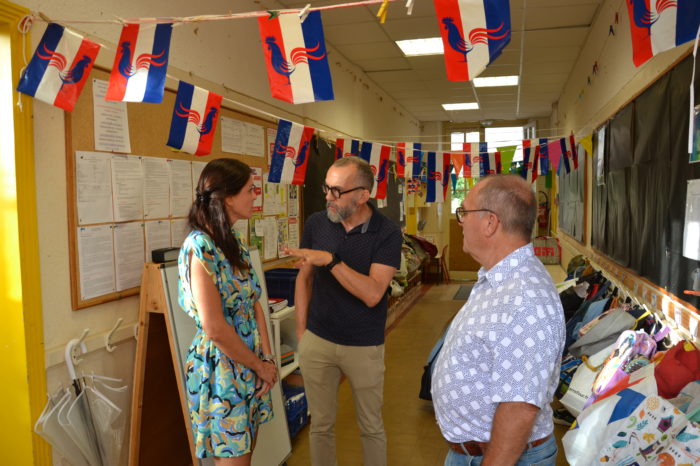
x,y
219,179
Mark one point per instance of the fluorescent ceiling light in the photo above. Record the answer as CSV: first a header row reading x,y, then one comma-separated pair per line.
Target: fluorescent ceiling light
x,y
463,106
496,81
416,47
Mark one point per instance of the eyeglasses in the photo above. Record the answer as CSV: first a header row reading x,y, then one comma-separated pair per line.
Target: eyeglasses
x,y
336,192
461,212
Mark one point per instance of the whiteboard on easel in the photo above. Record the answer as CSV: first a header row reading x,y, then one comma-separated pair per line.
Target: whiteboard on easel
x,y
273,444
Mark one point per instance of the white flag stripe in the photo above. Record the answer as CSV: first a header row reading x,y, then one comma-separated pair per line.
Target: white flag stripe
x,y
136,85
50,84
199,104
663,31
295,135
374,160
473,15
302,90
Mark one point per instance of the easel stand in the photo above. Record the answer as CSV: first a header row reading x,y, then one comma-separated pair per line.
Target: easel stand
x,y
160,430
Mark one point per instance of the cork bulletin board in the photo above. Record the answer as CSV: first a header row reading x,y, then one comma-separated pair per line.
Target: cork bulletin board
x,y
148,127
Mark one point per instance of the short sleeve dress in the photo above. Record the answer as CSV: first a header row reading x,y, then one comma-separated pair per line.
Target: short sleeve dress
x,y
224,411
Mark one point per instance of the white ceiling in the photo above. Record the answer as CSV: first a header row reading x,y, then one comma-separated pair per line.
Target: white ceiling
x,y
547,36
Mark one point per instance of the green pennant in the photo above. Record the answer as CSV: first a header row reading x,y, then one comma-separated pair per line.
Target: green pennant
x,y
507,153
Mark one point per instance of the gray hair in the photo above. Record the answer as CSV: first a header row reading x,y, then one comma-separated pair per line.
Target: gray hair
x,y
512,199
364,175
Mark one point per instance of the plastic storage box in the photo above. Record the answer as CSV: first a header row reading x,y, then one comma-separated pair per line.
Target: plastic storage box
x,y
280,283
295,407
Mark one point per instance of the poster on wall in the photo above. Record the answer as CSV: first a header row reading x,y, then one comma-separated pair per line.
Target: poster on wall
x,y
695,154
255,240
691,230
293,205
282,236
258,182
600,157
271,137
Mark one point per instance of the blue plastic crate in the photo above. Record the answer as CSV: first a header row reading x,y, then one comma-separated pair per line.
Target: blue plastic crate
x,y
295,407
280,283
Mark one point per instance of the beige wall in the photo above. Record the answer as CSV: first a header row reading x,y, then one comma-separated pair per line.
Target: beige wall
x,y
225,57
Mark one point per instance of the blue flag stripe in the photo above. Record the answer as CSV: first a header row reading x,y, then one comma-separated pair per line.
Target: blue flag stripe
x,y
430,195
29,83
284,128
497,14
157,74
366,152
178,125
483,159
312,29
687,20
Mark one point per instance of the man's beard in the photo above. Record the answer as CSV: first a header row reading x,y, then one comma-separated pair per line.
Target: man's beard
x,y
341,213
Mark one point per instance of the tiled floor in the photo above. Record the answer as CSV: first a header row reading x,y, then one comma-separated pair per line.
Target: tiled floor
x,y
412,434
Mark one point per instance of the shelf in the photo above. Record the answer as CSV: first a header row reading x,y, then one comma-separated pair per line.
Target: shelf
x,y
289,368
283,314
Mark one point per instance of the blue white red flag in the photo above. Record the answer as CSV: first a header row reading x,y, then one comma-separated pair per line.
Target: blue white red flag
x,y
438,177
401,158
569,156
194,119
59,67
378,157
543,157
658,25
345,147
296,58
477,163
414,158
531,152
290,155
141,64
474,33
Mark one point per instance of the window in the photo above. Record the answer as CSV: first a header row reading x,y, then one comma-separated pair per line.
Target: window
x,y
459,138
506,136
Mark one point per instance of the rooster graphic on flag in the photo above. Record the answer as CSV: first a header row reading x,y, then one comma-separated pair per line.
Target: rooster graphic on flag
x,y
141,64
59,67
194,119
477,161
474,33
377,155
531,153
345,147
658,25
290,154
408,160
438,177
296,58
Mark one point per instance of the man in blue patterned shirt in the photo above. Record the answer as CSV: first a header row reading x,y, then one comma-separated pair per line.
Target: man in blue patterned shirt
x,y
498,369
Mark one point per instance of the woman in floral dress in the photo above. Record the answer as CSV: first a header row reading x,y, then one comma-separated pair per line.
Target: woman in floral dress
x,y
230,367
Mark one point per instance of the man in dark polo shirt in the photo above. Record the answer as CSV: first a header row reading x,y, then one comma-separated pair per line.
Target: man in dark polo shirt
x,y
349,255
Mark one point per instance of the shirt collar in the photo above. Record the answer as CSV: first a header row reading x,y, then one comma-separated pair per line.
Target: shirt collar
x,y
507,266
372,224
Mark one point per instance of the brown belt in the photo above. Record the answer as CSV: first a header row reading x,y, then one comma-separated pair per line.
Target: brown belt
x,y
474,448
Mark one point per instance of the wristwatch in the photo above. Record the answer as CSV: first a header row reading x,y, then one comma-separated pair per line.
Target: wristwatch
x,y
335,261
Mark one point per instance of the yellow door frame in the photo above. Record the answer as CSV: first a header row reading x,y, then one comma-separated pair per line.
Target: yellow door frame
x,y
21,333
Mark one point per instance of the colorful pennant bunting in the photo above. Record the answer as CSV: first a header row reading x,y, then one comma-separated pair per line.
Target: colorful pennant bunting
x,y
290,154
59,67
194,119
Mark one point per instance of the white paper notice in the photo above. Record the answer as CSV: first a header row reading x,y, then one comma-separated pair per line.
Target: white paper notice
x,y
231,136
96,261
241,226
293,237
258,183
178,232
128,252
157,236
93,186
259,227
282,235
127,188
691,230
271,136
156,188
111,121
270,244
254,140
293,206
197,168
180,173
274,198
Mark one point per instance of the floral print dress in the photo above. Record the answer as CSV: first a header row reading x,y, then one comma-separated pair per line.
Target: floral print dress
x,y
224,411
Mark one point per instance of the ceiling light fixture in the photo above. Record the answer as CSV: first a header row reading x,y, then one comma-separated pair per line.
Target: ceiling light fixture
x,y
418,47
496,81
462,106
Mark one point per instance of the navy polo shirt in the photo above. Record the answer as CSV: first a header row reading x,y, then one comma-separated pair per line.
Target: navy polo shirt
x,y
334,313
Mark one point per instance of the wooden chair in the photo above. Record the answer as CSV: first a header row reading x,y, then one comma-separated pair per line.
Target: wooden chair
x,y
436,268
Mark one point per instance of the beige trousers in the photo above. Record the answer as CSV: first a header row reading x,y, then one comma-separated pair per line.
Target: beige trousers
x,y
322,364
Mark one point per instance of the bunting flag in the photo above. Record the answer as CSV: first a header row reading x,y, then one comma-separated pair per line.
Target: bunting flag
x,y
412,185
477,163
414,157
658,25
507,154
59,67
587,143
572,148
543,157
378,157
194,119
457,162
290,154
296,58
555,152
403,148
345,147
569,156
438,177
531,152
141,64
474,33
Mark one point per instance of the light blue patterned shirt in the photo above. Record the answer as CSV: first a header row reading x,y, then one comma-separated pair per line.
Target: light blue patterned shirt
x,y
504,345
